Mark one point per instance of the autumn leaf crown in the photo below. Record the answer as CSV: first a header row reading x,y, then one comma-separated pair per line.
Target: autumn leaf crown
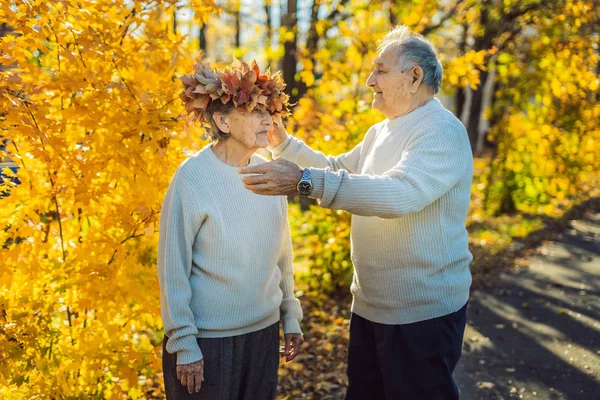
x,y
238,83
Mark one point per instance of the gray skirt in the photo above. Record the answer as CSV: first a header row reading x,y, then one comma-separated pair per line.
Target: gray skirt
x,y
240,367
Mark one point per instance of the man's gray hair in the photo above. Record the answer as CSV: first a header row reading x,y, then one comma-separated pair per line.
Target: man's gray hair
x,y
413,49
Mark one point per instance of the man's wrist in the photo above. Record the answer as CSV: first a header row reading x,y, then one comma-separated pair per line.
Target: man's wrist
x,y
304,185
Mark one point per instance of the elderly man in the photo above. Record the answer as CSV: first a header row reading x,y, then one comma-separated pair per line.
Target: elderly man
x,y
407,186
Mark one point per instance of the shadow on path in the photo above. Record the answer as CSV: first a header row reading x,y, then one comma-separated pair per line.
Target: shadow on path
x,y
535,333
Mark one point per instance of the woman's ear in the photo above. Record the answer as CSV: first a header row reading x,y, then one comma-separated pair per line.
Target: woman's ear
x,y
417,77
222,122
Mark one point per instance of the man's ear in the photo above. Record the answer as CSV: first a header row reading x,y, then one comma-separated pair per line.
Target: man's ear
x,y
222,122
417,77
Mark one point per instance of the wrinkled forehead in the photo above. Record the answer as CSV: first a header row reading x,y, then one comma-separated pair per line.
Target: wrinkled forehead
x,y
388,56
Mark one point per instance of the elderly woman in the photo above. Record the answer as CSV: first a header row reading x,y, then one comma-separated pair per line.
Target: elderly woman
x,y
225,255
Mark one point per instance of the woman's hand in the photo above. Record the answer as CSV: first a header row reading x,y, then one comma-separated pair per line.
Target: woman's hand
x,y
276,134
191,375
292,346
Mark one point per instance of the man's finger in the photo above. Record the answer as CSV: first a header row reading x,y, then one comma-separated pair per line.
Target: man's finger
x,y
255,169
264,189
178,373
183,378
254,179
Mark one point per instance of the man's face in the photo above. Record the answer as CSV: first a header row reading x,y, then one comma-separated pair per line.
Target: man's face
x,y
390,84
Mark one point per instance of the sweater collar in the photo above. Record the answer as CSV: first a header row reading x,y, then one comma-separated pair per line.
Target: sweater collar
x,y
414,116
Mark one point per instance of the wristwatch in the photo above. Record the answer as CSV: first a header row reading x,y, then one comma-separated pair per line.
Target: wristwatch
x,y
305,185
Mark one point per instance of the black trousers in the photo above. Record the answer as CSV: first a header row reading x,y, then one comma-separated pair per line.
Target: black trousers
x,y
405,362
240,367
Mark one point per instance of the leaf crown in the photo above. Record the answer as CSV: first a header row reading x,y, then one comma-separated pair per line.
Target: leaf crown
x,y
239,84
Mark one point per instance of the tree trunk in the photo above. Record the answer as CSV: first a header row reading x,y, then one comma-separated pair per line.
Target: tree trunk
x,y
461,95
460,98
475,112
237,28
269,31
202,38
598,64
4,29
289,21
312,43
392,12
175,20
488,100
312,40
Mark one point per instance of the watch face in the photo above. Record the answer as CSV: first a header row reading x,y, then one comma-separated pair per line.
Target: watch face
x,y
304,187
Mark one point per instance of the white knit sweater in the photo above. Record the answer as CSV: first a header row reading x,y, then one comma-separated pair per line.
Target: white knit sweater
x,y
224,257
408,186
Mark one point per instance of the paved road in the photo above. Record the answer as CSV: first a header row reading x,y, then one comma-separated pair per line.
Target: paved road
x,y
535,333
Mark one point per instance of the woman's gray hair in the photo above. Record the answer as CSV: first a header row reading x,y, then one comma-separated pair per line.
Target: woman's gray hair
x,y
213,133
414,49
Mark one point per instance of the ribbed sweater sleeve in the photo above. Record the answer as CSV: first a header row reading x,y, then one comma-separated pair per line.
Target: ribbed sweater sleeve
x,y
177,232
291,310
296,150
431,164
409,196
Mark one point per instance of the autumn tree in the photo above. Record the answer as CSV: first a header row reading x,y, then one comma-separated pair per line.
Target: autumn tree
x,y
546,114
90,105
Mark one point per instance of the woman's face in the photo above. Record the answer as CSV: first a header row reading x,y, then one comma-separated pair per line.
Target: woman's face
x,y
249,128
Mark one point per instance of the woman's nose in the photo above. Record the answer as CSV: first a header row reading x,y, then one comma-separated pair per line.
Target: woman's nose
x,y
268,118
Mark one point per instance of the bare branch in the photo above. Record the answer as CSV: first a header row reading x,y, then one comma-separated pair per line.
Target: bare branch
x,y
447,15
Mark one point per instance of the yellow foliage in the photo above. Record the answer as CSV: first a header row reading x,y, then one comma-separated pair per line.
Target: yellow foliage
x,y
549,141
91,110
89,103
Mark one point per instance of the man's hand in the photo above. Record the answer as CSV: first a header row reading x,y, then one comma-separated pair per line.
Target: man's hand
x,y
275,178
292,346
191,375
276,134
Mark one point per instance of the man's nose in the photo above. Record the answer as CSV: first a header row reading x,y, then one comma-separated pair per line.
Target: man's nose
x,y
371,80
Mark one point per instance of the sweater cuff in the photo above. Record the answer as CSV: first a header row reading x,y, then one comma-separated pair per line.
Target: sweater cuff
x,y
280,148
291,325
190,351
317,178
326,185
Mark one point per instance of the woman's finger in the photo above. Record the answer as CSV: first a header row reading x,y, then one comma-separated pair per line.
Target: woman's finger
x,y
198,380
296,340
190,383
287,349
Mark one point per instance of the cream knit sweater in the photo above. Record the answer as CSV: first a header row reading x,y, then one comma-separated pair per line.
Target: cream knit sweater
x,y
408,186
224,257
